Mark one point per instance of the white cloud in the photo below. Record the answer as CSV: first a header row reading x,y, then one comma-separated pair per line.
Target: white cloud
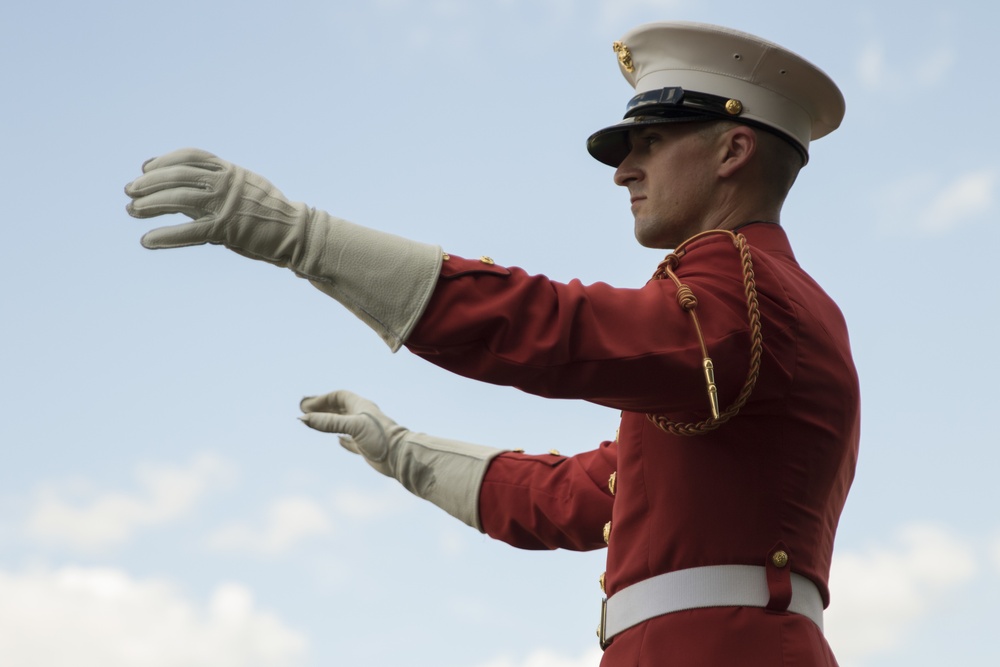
x,y
969,195
454,541
616,11
871,66
104,519
900,202
926,203
448,9
935,67
879,75
356,504
286,522
879,594
546,658
101,617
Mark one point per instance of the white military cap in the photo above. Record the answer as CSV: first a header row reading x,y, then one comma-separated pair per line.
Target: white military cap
x,y
693,71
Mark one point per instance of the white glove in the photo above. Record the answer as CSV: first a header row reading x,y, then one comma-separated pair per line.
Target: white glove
x,y
448,473
383,279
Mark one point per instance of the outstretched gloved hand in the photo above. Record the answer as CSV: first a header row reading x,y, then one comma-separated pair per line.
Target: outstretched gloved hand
x,y
448,473
383,279
229,205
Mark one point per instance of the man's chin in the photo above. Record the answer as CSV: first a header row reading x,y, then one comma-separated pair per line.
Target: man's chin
x,y
653,241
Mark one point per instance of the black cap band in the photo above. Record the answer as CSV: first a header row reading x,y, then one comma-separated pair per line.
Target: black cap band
x,y
675,101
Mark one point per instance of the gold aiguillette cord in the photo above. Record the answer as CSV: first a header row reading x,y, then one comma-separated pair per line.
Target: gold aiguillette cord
x,y
689,302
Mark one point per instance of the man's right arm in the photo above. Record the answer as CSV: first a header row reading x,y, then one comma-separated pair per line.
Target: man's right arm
x,y
531,502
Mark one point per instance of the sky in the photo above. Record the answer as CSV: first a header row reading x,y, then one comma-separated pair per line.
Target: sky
x,y
160,504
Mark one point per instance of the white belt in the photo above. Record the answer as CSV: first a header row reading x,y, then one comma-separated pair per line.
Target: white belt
x,y
697,587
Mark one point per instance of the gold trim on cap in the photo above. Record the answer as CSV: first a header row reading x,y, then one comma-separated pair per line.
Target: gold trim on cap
x,y
734,107
624,56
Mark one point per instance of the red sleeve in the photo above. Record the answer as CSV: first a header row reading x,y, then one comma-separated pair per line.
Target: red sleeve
x,y
549,502
630,349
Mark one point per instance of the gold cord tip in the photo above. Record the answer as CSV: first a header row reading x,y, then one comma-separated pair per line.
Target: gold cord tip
x,y
713,392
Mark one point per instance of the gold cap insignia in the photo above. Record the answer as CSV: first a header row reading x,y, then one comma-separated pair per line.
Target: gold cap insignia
x,y
734,107
624,56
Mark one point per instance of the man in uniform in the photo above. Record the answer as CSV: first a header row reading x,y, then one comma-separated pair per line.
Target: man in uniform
x,y
719,499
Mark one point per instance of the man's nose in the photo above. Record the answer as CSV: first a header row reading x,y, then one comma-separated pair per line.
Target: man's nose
x,y
627,171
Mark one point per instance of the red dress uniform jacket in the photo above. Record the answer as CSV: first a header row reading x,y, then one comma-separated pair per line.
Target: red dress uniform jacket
x,y
777,475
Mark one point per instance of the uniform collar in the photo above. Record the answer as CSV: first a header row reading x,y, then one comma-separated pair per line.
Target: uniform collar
x,y
768,236
762,235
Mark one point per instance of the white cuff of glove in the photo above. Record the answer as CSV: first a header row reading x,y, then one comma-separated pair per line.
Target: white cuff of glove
x,y
447,473
385,280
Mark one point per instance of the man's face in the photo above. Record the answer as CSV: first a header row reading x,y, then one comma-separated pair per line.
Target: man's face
x,y
670,174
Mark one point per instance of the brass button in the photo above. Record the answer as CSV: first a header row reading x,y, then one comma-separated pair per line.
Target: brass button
x,y
734,107
779,558
607,532
554,452
611,482
487,260
601,581
518,451
445,256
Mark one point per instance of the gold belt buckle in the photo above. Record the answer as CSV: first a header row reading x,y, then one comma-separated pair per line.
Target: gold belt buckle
x,y
602,628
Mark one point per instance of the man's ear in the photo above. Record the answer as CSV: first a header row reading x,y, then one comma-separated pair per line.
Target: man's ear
x,y
739,145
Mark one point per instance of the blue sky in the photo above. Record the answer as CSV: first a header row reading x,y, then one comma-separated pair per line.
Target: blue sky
x,y
161,505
